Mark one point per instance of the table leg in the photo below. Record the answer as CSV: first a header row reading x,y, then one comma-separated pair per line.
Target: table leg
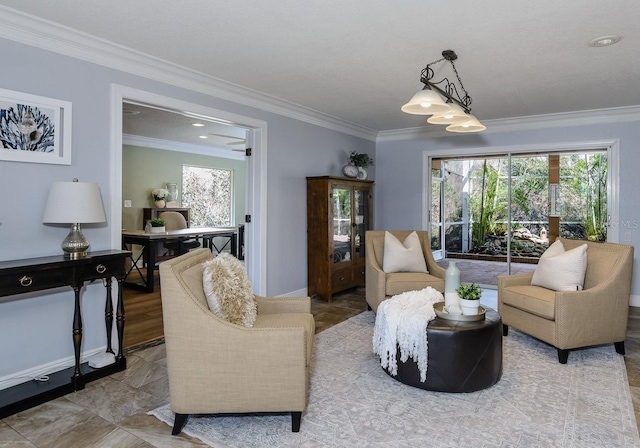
x,y
150,246
121,361
77,379
108,314
234,244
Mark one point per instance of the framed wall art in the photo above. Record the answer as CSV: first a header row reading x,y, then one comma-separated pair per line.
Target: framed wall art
x,y
34,128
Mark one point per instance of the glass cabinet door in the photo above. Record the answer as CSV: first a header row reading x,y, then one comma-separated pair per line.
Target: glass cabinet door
x,y
361,220
341,224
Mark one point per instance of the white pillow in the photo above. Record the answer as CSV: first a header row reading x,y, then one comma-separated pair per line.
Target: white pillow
x,y
228,290
556,248
561,272
403,257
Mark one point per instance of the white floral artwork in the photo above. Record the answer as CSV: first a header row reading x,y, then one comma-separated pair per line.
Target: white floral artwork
x,y
34,129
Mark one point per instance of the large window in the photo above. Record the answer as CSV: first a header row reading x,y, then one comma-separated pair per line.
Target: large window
x,y
209,194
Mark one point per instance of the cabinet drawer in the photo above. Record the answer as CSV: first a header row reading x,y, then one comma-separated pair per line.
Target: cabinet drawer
x,y
358,276
103,269
27,281
341,280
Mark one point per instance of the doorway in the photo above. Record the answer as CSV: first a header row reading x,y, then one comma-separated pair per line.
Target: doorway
x,y
255,200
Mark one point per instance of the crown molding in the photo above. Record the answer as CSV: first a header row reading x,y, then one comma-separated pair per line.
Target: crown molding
x,y
168,145
44,34
531,122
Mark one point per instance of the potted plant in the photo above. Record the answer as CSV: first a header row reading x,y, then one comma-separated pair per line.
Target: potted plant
x,y
159,196
469,298
357,163
157,225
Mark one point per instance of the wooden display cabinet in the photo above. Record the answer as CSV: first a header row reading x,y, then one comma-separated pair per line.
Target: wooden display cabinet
x,y
339,212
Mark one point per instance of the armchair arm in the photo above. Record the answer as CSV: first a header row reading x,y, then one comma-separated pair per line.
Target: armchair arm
x,y
375,279
504,281
605,309
277,305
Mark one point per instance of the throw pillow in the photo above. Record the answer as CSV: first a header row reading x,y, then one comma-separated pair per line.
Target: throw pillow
x,y
556,248
562,272
404,256
228,291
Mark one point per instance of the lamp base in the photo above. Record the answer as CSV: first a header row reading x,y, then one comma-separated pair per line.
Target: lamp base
x,y
75,245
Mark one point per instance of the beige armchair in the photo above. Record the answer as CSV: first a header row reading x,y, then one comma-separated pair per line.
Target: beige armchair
x,y
217,367
568,320
380,285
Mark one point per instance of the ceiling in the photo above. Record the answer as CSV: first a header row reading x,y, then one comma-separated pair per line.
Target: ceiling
x,y
360,60
160,124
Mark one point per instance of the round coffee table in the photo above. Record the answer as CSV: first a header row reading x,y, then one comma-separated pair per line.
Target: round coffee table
x,y
463,356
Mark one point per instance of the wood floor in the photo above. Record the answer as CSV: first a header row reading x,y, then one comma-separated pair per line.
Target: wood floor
x,y
143,322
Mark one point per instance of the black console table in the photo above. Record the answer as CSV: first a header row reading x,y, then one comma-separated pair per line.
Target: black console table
x,y
37,274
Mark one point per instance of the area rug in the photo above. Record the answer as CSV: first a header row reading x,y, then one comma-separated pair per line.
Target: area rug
x,y
354,403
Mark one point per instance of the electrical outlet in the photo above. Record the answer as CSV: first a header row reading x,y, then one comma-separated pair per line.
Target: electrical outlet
x,y
127,203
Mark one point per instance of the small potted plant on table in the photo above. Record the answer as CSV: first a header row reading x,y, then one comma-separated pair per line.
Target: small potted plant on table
x,y
157,225
469,298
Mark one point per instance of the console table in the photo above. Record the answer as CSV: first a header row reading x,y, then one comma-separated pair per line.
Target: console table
x,y
37,274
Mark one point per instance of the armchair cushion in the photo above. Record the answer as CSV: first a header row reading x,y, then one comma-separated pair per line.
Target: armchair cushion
x,y
403,256
532,299
399,282
561,272
229,293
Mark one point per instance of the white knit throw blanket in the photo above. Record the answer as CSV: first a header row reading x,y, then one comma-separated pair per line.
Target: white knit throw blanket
x,y
401,321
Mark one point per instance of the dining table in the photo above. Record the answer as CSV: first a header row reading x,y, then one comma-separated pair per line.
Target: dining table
x,y
141,266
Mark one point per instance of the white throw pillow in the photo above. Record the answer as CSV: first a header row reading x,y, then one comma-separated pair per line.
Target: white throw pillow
x,y
556,248
228,290
561,272
403,257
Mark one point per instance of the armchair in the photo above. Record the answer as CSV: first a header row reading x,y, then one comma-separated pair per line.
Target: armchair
x,y
572,319
218,367
380,285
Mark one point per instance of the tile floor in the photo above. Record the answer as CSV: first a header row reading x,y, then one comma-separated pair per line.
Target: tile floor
x,y
111,412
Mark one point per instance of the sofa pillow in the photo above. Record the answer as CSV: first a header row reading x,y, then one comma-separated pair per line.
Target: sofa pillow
x,y
404,256
561,272
228,291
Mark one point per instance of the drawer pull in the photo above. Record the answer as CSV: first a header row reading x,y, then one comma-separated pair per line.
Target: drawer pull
x,y
100,269
341,279
26,281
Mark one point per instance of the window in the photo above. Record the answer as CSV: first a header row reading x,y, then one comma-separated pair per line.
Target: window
x,y
208,192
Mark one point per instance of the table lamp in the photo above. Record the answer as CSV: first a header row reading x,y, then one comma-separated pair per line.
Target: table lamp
x,y
76,203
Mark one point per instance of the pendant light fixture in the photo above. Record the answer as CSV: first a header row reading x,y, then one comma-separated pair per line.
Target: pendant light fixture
x,y
442,101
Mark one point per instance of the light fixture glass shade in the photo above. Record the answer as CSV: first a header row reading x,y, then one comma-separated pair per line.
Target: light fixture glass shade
x,y
74,203
471,125
455,114
425,102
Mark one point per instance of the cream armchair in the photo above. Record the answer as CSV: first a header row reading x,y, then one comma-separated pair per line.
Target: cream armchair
x,y
380,285
217,367
568,320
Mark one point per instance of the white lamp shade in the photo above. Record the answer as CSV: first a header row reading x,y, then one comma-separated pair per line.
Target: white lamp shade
x,y
472,125
74,202
425,102
455,114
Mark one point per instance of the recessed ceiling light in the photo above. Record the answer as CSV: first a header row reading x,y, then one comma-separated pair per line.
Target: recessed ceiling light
x,y
203,136
605,41
198,125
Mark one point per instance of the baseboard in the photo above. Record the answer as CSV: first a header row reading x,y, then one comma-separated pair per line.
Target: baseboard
x,y
42,370
299,293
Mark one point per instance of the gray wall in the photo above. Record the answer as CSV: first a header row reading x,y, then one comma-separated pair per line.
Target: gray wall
x,y
36,330
144,169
